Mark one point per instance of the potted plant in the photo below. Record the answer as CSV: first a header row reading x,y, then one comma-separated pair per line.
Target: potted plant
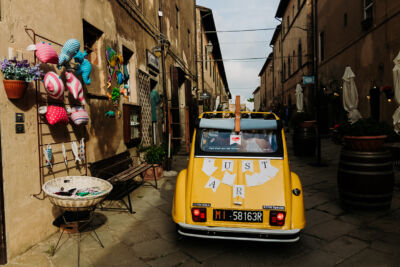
x,y
365,134
16,76
155,155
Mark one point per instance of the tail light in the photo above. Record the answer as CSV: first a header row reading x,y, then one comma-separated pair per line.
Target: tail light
x,y
277,218
199,214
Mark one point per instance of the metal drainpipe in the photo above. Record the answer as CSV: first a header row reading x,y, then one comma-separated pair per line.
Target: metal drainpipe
x,y
273,72
164,84
202,60
316,57
283,74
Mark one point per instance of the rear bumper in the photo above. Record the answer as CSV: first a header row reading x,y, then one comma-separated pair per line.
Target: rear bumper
x,y
243,234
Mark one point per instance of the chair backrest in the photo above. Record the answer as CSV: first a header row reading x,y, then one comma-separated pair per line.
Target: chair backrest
x,y
111,166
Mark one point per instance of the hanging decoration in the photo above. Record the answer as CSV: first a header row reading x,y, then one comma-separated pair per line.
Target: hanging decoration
x,y
110,114
75,87
44,52
48,153
54,114
82,150
75,152
84,67
78,115
54,85
69,50
64,152
115,74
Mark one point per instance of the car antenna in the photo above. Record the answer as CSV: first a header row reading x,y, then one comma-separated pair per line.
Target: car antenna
x,y
237,115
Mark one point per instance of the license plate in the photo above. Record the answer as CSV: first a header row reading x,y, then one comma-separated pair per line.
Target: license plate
x,y
238,215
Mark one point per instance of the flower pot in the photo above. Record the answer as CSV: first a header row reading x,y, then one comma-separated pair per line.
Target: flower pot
x,y
149,175
15,89
365,143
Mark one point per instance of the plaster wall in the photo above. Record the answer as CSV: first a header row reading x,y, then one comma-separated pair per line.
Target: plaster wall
x,y
29,220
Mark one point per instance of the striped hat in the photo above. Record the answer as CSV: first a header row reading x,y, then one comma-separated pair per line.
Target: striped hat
x,y
70,48
44,52
75,87
54,85
79,116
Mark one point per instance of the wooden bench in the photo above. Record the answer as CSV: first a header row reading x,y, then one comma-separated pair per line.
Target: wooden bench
x,y
120,172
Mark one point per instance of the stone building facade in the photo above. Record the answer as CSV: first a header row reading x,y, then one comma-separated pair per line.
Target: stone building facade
x,y
267,84
136,29
210,66
257,98
362,35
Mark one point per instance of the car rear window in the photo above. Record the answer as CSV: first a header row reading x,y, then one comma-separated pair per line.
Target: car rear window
x,y
244,142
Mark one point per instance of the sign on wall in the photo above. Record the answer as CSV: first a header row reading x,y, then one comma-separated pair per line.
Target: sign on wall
x,y
308,79
153,61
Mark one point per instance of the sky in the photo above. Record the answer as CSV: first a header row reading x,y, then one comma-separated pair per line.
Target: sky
x,y
238,15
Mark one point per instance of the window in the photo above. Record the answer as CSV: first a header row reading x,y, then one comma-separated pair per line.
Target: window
x,y
205,57
294,58
210,65
177,16
126,55
368,9
91,36
345,20
288,61
132,119
188,37
214,73
284,71
299,54
288,23
251,141
322,46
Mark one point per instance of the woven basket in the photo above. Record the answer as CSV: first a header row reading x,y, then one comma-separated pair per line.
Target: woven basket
x,y
76,203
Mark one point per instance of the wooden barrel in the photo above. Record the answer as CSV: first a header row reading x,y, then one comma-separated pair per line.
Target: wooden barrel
x,y
366,179
304,141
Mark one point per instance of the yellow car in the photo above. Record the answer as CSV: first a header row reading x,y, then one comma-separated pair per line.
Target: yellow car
x,y
238,184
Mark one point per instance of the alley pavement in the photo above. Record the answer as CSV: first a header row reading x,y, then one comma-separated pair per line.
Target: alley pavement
x,y
332,237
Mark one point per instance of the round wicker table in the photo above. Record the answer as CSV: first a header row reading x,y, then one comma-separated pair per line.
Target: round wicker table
x,y
75,204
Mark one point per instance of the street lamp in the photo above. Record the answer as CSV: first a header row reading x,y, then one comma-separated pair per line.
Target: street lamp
x,y
209,47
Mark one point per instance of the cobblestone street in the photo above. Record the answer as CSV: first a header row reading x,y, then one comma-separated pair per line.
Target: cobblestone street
x,y
332,237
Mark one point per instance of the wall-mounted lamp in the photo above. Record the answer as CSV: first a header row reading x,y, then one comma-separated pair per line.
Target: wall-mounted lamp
x,y
209,47
388,91
157,51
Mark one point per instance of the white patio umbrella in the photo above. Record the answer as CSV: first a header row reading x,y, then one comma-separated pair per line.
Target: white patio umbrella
x,y
350,96
396,83
299,98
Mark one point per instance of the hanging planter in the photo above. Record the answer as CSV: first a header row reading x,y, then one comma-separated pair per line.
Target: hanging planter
x,y
17,74
15,89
